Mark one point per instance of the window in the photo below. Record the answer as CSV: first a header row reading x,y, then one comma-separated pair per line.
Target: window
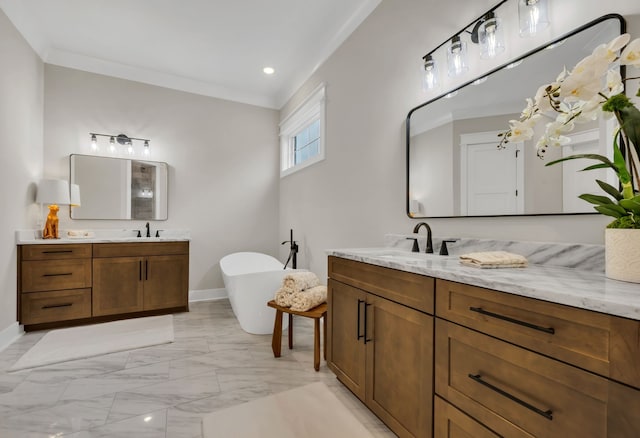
x,y
302,134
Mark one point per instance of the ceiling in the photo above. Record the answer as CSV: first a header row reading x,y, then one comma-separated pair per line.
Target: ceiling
x,y
212,47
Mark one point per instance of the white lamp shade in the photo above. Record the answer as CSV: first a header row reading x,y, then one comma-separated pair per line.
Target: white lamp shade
x,y
53,191
75,195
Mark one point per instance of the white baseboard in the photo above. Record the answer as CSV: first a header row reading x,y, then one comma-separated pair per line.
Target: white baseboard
x,y
207,294
10,334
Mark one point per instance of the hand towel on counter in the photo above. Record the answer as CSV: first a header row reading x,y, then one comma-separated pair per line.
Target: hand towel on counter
x,y
493,259
299,281
308,298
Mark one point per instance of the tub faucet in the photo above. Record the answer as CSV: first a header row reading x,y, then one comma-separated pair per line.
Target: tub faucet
x,y
429,249
148,230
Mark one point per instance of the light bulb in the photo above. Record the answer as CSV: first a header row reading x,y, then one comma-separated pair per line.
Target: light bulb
x,y
429,73
490,36
130,148
112,145
457,57
146,151
94,143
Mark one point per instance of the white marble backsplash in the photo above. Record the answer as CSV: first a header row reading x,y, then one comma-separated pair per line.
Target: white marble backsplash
x,y
568,255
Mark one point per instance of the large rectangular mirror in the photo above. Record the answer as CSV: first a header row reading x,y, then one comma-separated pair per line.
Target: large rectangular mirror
x,y
117,188
453,165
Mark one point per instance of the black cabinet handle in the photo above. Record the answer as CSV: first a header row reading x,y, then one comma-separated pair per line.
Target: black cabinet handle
x,y
146,269
358,323
57,251
366,305
57,275
53,306
140,270
548,414
549,330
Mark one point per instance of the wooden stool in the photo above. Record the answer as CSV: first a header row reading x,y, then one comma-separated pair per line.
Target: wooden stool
x,y
316,313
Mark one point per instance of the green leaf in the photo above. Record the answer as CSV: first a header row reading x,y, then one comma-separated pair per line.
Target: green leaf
x,y
595,166
630,117
610,189
631,204
612,210
597,157
620,164
595,199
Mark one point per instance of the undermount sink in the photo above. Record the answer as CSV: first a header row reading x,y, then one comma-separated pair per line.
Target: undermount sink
x,y
404,256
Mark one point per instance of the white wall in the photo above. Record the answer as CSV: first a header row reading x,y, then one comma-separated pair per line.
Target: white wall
x,y
357,194
223,159
21,97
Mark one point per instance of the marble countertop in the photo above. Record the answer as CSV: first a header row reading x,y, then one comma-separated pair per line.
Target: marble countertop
x,y
578,288
32,237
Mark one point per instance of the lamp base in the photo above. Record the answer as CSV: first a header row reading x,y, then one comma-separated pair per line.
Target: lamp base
x,y
50,230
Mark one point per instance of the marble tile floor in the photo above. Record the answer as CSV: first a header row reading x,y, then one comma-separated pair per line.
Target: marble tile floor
x,y
165,390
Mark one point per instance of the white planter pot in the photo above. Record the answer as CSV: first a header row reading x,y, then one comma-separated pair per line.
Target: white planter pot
x,y
622,254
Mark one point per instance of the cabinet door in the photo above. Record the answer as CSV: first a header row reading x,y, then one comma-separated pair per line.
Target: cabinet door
x,y
117,285
399,366
345,330
166,282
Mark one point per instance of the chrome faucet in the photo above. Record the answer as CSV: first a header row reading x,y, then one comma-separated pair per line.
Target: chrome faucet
x,y
148,230
429,249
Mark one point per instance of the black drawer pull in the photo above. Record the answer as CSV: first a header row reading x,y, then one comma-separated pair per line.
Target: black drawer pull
x,y
53,306
358,323
57,251
57,275
548,414
366,305
549,330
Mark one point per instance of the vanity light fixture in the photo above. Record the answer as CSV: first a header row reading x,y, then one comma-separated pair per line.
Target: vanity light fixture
x,y
533,16
430,73
457,57
488,33
121,139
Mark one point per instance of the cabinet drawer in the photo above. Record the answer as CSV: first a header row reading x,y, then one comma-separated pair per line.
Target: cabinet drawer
x,y
502,385
56,251
413,290
139,249
63,305
449,422
55,275
590,340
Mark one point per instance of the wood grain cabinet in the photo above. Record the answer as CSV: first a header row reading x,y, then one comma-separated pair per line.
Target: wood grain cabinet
x,y
61,284
133,277
379,346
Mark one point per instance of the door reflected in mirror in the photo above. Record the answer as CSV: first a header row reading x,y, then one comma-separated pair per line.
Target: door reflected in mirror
x,y
454,166
116,188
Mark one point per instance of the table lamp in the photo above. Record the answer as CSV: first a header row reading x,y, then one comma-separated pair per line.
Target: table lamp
x,y
52,192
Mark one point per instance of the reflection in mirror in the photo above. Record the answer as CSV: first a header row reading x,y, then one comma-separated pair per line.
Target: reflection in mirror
x,y
454,167
115,188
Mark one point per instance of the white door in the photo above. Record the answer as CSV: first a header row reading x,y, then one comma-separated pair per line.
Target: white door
x,y
574,182
491,177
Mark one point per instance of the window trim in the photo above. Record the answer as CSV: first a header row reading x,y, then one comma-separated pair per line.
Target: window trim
x,y
305,113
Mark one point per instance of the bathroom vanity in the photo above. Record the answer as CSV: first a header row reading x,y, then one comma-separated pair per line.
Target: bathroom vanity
x,y
438,349
66,283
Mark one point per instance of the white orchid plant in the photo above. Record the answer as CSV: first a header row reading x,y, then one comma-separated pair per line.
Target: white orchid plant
x,y
592,88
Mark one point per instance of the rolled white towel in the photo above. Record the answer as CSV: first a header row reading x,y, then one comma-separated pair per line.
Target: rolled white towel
x,y
309,298
283,297
299,281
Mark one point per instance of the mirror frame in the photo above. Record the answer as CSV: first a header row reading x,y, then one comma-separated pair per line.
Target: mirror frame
x,y
623,27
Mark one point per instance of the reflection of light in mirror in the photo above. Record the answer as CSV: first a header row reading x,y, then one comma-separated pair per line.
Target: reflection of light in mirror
x,y
480,81
513,65
147,419
450,95
554,45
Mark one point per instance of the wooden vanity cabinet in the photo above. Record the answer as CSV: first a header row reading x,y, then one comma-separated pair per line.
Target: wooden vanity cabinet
x,y
134,277
379,345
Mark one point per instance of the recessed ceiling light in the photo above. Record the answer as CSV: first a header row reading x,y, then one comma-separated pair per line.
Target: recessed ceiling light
x,y
268,70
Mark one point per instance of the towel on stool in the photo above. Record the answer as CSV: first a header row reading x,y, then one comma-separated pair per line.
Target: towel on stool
x,y
283,297
299,281
308,298
493,259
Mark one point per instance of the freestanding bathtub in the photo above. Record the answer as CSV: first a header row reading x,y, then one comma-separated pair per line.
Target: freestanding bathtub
x,y
251,280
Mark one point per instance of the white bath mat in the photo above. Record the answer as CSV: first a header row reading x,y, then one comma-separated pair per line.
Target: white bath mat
x,y
93,340
310,411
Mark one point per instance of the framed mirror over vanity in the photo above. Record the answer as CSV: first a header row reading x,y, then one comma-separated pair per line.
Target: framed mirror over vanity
x,y
454,167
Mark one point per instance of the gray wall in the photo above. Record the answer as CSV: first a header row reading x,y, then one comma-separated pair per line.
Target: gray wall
x,y
223,158
357,194
21,102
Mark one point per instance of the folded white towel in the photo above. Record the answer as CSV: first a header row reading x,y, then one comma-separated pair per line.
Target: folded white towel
x,y
283,297
493,259
299,281
308,298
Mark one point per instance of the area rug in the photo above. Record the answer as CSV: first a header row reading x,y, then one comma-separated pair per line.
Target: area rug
x,y
310,411
93,340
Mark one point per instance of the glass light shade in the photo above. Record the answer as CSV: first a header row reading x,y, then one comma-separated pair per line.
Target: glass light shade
x,y
490,36
146,151
94,143
457,57
112,145
533,16
75,195
53,191
429,73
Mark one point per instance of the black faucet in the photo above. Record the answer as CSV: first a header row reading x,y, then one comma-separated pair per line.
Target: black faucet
x,y
148,230
293,252
429,249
